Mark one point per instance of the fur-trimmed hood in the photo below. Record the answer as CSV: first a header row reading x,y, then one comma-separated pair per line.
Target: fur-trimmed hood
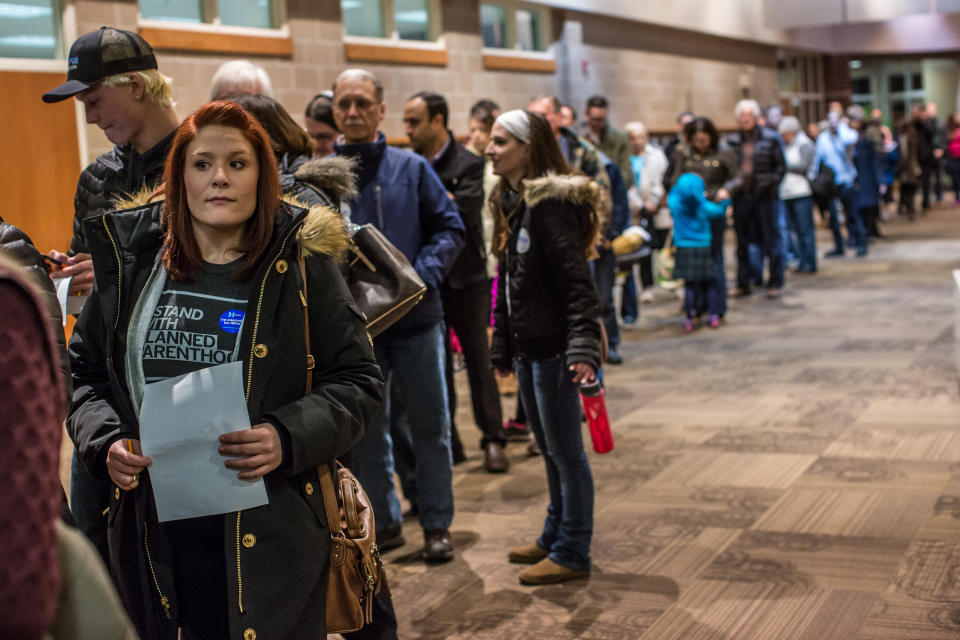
x,y
578,189
334,175
322,231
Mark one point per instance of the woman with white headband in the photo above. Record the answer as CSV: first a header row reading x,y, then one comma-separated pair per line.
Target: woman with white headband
x,y
547,325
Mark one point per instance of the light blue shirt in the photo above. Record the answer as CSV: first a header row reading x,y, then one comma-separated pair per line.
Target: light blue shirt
x,y
636,164
832,150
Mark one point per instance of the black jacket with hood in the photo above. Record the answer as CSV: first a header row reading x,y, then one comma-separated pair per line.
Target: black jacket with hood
x,y
547,304
277,554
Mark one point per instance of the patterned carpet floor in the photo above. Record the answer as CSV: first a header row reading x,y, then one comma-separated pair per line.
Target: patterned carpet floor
x,y
792,475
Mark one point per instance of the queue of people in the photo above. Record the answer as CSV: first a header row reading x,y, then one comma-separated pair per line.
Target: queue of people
x,y
221,238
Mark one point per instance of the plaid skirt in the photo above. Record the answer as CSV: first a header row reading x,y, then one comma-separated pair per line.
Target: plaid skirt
x,y
694,264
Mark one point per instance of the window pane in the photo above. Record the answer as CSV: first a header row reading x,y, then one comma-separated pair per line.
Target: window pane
x,y
246,13
413,19
178,10
28,29
861,85
916,83
897,84
528,30
363,18
493,20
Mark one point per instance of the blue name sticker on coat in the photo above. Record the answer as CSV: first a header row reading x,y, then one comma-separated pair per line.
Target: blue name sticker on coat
x,y
230,321
523,241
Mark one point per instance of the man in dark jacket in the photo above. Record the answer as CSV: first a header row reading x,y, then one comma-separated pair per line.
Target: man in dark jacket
x,y
612,142
402,195
114,74
466,292
755,206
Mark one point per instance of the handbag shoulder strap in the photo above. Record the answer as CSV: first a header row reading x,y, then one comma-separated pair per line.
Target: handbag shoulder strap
x,y
330,503
306,323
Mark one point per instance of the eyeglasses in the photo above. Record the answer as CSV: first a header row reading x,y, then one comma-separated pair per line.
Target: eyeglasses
x,y
362,104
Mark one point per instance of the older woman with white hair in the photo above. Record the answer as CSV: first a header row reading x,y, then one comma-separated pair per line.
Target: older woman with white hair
x,y
649,165
240,77
796,193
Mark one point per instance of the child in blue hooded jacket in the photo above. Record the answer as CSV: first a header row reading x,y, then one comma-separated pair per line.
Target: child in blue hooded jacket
x,y
692,212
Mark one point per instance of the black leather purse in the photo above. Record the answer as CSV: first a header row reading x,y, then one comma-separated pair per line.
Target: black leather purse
x,y
382,281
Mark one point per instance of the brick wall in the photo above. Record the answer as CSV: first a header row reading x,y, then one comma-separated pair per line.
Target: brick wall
x,y
649,73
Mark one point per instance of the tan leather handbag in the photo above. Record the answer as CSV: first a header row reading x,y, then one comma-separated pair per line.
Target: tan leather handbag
x,y
356,571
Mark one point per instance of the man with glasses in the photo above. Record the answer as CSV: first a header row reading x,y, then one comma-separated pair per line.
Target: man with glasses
x,y
402,196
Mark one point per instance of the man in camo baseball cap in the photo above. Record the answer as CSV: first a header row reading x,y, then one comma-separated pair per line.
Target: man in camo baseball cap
x,y
100,54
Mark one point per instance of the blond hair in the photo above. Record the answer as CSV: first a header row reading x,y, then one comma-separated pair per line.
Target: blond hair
x,y
156,86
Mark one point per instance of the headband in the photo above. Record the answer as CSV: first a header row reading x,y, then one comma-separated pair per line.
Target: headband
x,y
517,123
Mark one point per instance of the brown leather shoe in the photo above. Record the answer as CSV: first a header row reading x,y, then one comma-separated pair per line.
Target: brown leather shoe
x,y
527,554
437,546
495,458
549,572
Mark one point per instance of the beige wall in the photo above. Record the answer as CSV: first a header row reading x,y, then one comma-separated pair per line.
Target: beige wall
x,y
650,77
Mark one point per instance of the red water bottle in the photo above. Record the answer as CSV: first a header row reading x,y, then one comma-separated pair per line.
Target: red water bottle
x,y
591,394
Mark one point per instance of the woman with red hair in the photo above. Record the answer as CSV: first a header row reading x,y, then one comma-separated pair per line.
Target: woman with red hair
x,y
214,273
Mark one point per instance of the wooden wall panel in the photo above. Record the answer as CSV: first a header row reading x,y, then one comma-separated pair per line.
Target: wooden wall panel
x,y
39,159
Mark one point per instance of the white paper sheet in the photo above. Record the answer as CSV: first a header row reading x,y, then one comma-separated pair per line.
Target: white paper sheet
x,y
63,288
69,305
180,422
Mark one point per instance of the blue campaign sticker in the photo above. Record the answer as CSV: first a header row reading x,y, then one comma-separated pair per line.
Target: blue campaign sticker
x,y
230,321
523,241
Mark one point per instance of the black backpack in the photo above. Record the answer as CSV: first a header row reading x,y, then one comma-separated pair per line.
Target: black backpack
x,y
824,186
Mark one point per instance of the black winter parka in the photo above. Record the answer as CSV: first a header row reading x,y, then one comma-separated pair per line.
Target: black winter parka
x,y
277,554
547,305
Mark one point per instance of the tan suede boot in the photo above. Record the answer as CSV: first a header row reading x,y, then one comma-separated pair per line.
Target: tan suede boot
x,y
527,554
549,572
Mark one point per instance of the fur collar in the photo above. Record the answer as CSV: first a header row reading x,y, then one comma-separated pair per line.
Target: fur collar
x,y
334,175
578,189
322,231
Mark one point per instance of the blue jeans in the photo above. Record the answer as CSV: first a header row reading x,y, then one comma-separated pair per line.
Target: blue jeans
x,y
788,247
412,367
604,270
628,298
88,498
855,228
552,401
800,217
718,228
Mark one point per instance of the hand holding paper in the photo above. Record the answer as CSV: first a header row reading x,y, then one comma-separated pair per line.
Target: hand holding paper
x,y
256,451
181,422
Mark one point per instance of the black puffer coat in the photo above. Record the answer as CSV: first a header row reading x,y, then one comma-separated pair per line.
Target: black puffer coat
x,y
769,167
277,553
546,301
16,244
119,173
